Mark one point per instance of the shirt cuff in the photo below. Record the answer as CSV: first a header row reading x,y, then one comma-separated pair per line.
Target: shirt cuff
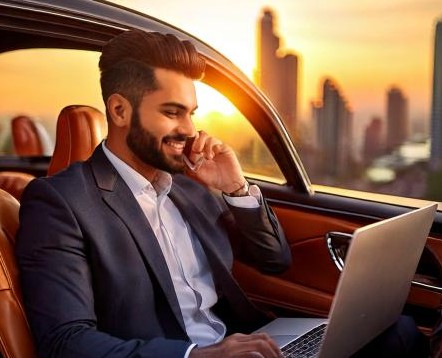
x,y
192,346
250,201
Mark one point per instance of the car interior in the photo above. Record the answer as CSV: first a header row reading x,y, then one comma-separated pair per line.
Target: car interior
x,y
79,131
307,215
15,335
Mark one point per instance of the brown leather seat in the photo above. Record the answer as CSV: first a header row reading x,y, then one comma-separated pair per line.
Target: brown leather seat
x,y
14,182
25,137
79,130
15,336
26,141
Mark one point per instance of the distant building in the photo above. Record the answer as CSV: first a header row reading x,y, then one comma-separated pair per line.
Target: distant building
x,y
373,140
436,108
277,73
397,119
333,120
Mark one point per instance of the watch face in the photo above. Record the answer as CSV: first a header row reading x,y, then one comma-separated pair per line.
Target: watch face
x,y
243,191
254,190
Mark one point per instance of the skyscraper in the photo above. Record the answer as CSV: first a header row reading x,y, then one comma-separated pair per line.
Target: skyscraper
x,y
397,118
373,144
277,74
436,106
334,132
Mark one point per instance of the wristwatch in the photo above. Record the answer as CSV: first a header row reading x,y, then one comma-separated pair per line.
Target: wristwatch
x,y
243,191
246,192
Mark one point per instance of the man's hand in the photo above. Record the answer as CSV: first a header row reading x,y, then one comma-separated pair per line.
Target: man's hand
x,y
257,345
219,168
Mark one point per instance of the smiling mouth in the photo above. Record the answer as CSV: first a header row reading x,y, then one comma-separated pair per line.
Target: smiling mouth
x,y
176,145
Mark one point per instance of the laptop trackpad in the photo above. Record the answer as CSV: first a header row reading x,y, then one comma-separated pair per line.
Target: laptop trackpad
x,y
284,330
282,340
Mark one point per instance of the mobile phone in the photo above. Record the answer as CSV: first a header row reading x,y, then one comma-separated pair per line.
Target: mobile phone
x,y
186,154
188,146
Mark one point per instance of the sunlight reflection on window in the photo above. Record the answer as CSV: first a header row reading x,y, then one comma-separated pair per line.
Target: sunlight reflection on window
x,y
219,117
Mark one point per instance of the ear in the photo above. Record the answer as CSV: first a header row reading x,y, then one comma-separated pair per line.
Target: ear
x,y
120,110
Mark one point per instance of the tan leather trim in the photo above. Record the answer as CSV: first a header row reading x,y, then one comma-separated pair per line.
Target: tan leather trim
x,y
79,130
14,182
309,284
279,292
15,336
25,138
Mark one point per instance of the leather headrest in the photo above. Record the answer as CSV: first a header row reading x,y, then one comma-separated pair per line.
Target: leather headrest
x,y
25,137
79,130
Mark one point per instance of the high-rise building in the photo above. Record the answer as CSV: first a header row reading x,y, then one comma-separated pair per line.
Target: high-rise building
x,y
373,143
397,118
277,72
436,106
333,119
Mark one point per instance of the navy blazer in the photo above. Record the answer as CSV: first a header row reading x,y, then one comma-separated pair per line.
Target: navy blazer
x,y
94,280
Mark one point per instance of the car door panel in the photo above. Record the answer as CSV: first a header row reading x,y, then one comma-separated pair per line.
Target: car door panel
x,y
307,287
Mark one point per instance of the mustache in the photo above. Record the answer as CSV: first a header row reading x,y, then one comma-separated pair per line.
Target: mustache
x,y
176,137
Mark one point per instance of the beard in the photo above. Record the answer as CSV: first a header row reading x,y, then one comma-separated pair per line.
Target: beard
x,y
147,147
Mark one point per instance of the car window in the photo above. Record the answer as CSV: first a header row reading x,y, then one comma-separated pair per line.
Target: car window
x,y
373,119
38,83
219,117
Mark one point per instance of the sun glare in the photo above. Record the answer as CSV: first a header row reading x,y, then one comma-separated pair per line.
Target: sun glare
x,y
211,101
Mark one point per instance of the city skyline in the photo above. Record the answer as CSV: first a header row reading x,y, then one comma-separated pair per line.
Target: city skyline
x,y
277,75
366,47
388,148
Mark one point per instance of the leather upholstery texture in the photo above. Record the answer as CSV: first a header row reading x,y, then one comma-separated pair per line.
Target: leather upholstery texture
x,y
79,130
15,336
14,182
25,137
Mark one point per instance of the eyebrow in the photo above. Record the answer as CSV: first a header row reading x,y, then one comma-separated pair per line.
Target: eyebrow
x,y
178,106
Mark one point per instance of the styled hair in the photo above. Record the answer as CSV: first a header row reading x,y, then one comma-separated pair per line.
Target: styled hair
x,y
127,63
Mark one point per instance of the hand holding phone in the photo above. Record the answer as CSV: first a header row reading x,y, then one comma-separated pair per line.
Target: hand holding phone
x,y
212,163
193,166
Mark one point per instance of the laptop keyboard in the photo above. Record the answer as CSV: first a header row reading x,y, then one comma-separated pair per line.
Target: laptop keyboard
x,y
306,345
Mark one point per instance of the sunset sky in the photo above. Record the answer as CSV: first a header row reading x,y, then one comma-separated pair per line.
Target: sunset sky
x,y
366,46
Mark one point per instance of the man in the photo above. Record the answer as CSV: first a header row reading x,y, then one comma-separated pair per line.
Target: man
x,y
122,255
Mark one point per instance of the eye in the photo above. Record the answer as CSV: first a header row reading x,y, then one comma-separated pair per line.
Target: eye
x,y
171,113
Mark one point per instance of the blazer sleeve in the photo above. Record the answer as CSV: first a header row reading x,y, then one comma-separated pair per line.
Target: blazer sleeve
x,y
261,240
57,285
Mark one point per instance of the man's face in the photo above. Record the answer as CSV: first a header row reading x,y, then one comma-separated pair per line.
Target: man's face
x,y
161,124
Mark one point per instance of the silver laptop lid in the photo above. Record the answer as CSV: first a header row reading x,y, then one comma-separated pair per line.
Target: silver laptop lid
x,y
376,279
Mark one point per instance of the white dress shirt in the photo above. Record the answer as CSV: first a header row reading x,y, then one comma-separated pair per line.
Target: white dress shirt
x,y
190,272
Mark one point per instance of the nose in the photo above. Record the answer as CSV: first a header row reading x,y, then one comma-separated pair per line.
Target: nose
x,y
187,127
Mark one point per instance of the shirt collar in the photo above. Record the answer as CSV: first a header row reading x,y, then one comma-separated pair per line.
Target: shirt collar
x,y
134,180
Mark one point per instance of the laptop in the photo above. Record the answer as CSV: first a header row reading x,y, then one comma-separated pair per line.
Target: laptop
x,y
372,289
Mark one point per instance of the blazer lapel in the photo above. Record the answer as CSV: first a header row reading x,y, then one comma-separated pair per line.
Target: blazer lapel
x,y
244,310
119,197
205,232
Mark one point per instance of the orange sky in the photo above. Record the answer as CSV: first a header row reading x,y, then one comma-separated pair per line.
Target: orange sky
x,y
365,46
